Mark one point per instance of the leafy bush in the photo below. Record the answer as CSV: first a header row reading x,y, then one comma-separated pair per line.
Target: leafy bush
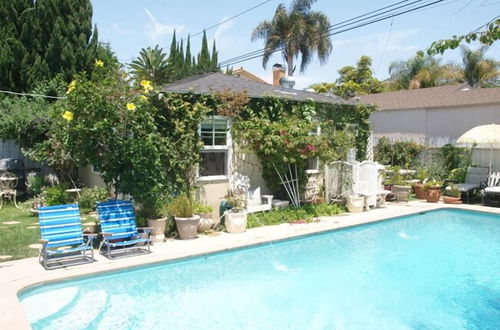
x,y
89,197
200,208
454,157
304,213
35,185
399,153
56,195
458,174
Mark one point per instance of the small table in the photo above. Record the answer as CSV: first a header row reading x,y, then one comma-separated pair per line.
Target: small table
x,y
8,184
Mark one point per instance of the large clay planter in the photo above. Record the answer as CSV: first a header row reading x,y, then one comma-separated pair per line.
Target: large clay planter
x,y
187,227
235,222
402,193
355,204
158,232
420,193
206,222
452,200
433,194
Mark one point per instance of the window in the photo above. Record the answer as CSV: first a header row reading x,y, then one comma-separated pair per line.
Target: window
x,y
313,163
215,135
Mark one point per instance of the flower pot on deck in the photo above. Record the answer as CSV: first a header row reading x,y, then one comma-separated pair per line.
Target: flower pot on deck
x,y
187,227
206,222
433,194
420,193
452,200
235,222
355,204
158,231
402,193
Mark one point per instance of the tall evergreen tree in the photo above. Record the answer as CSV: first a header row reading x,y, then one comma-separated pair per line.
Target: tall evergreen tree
x,y
187,62
215,59
204,56
43,38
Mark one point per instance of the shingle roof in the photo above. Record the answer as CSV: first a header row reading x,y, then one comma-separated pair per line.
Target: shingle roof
x,y
433,97
212,82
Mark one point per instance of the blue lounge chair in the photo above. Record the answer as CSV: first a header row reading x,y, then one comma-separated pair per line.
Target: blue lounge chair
x,y
119,231
63,241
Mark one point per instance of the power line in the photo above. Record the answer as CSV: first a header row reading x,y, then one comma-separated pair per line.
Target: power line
x,y
230,18
34,95
330,31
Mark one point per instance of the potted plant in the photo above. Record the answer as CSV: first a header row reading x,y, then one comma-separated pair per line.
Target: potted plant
x,y
433,191
421,175
400,190
205,213
154,210
235,219
182,208
452,195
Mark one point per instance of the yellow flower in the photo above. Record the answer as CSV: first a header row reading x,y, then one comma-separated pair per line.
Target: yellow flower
x,y
68,115
71,87
99,63
131,106
146,84
143,98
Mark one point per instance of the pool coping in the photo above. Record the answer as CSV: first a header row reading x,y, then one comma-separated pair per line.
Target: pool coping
x,y
20,275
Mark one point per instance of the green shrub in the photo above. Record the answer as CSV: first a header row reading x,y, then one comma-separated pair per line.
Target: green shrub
x,y
56,195
304,213
399,153
35,185
89,197
200,208
458,174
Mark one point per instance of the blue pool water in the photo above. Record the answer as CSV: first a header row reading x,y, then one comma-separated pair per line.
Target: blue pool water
x,y
438,270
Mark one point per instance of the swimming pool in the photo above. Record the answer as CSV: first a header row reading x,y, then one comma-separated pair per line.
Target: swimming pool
x,y
437,270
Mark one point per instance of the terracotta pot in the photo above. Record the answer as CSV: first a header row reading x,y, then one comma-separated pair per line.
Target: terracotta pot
x,y
433,194
420,193
187,227
452,200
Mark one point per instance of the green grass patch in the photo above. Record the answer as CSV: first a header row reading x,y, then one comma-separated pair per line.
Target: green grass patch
x,y
16,238
306,213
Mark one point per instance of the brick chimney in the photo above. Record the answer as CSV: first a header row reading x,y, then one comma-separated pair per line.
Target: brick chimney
x,y
279,71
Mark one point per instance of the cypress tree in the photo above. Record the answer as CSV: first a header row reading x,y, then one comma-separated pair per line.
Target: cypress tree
x,y
214,60
43,38
187,62
204,55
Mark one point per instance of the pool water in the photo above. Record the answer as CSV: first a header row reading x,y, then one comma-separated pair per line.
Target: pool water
x,y
437,270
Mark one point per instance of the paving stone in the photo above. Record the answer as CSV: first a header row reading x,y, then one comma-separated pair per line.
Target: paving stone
x,y
35,246
5,257
11,222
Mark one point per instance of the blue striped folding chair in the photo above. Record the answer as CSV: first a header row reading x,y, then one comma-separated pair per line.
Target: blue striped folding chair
x,y
63,241
120,234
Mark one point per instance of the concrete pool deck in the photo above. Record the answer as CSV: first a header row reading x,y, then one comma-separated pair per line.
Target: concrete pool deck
x,y
19,274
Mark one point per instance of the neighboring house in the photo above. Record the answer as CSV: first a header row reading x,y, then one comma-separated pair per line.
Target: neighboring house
x,y
433,116
242,73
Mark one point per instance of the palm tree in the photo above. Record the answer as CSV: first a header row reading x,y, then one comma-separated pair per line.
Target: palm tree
x,y
478,70
422,71
298,31
152,64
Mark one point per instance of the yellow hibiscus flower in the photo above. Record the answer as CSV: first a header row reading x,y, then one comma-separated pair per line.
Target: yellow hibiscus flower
x,y
146,84
68,115
131,106
71,87
99,63
143,98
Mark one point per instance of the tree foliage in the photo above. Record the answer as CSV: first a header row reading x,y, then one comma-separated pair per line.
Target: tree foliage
x,y
152,64
479,71
41,39
353,81
296,32
486,37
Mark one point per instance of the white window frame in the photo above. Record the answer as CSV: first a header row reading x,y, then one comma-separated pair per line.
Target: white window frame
x,y
227,148
317,169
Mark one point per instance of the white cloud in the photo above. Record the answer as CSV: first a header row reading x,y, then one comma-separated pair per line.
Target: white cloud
x,y
154,30
394,41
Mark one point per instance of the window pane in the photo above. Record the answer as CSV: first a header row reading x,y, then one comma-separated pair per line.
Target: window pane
x,y
312,164
214,132
213,163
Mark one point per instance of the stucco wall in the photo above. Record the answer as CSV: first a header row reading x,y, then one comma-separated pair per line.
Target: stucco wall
x,y
433,127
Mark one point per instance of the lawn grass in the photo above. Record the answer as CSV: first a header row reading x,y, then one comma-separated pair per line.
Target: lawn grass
x,y
16,238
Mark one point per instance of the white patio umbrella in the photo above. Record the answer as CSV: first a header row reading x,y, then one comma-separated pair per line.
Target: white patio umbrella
x,y
482,136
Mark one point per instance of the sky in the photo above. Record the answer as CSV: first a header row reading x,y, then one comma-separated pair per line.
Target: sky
x,y
129,25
